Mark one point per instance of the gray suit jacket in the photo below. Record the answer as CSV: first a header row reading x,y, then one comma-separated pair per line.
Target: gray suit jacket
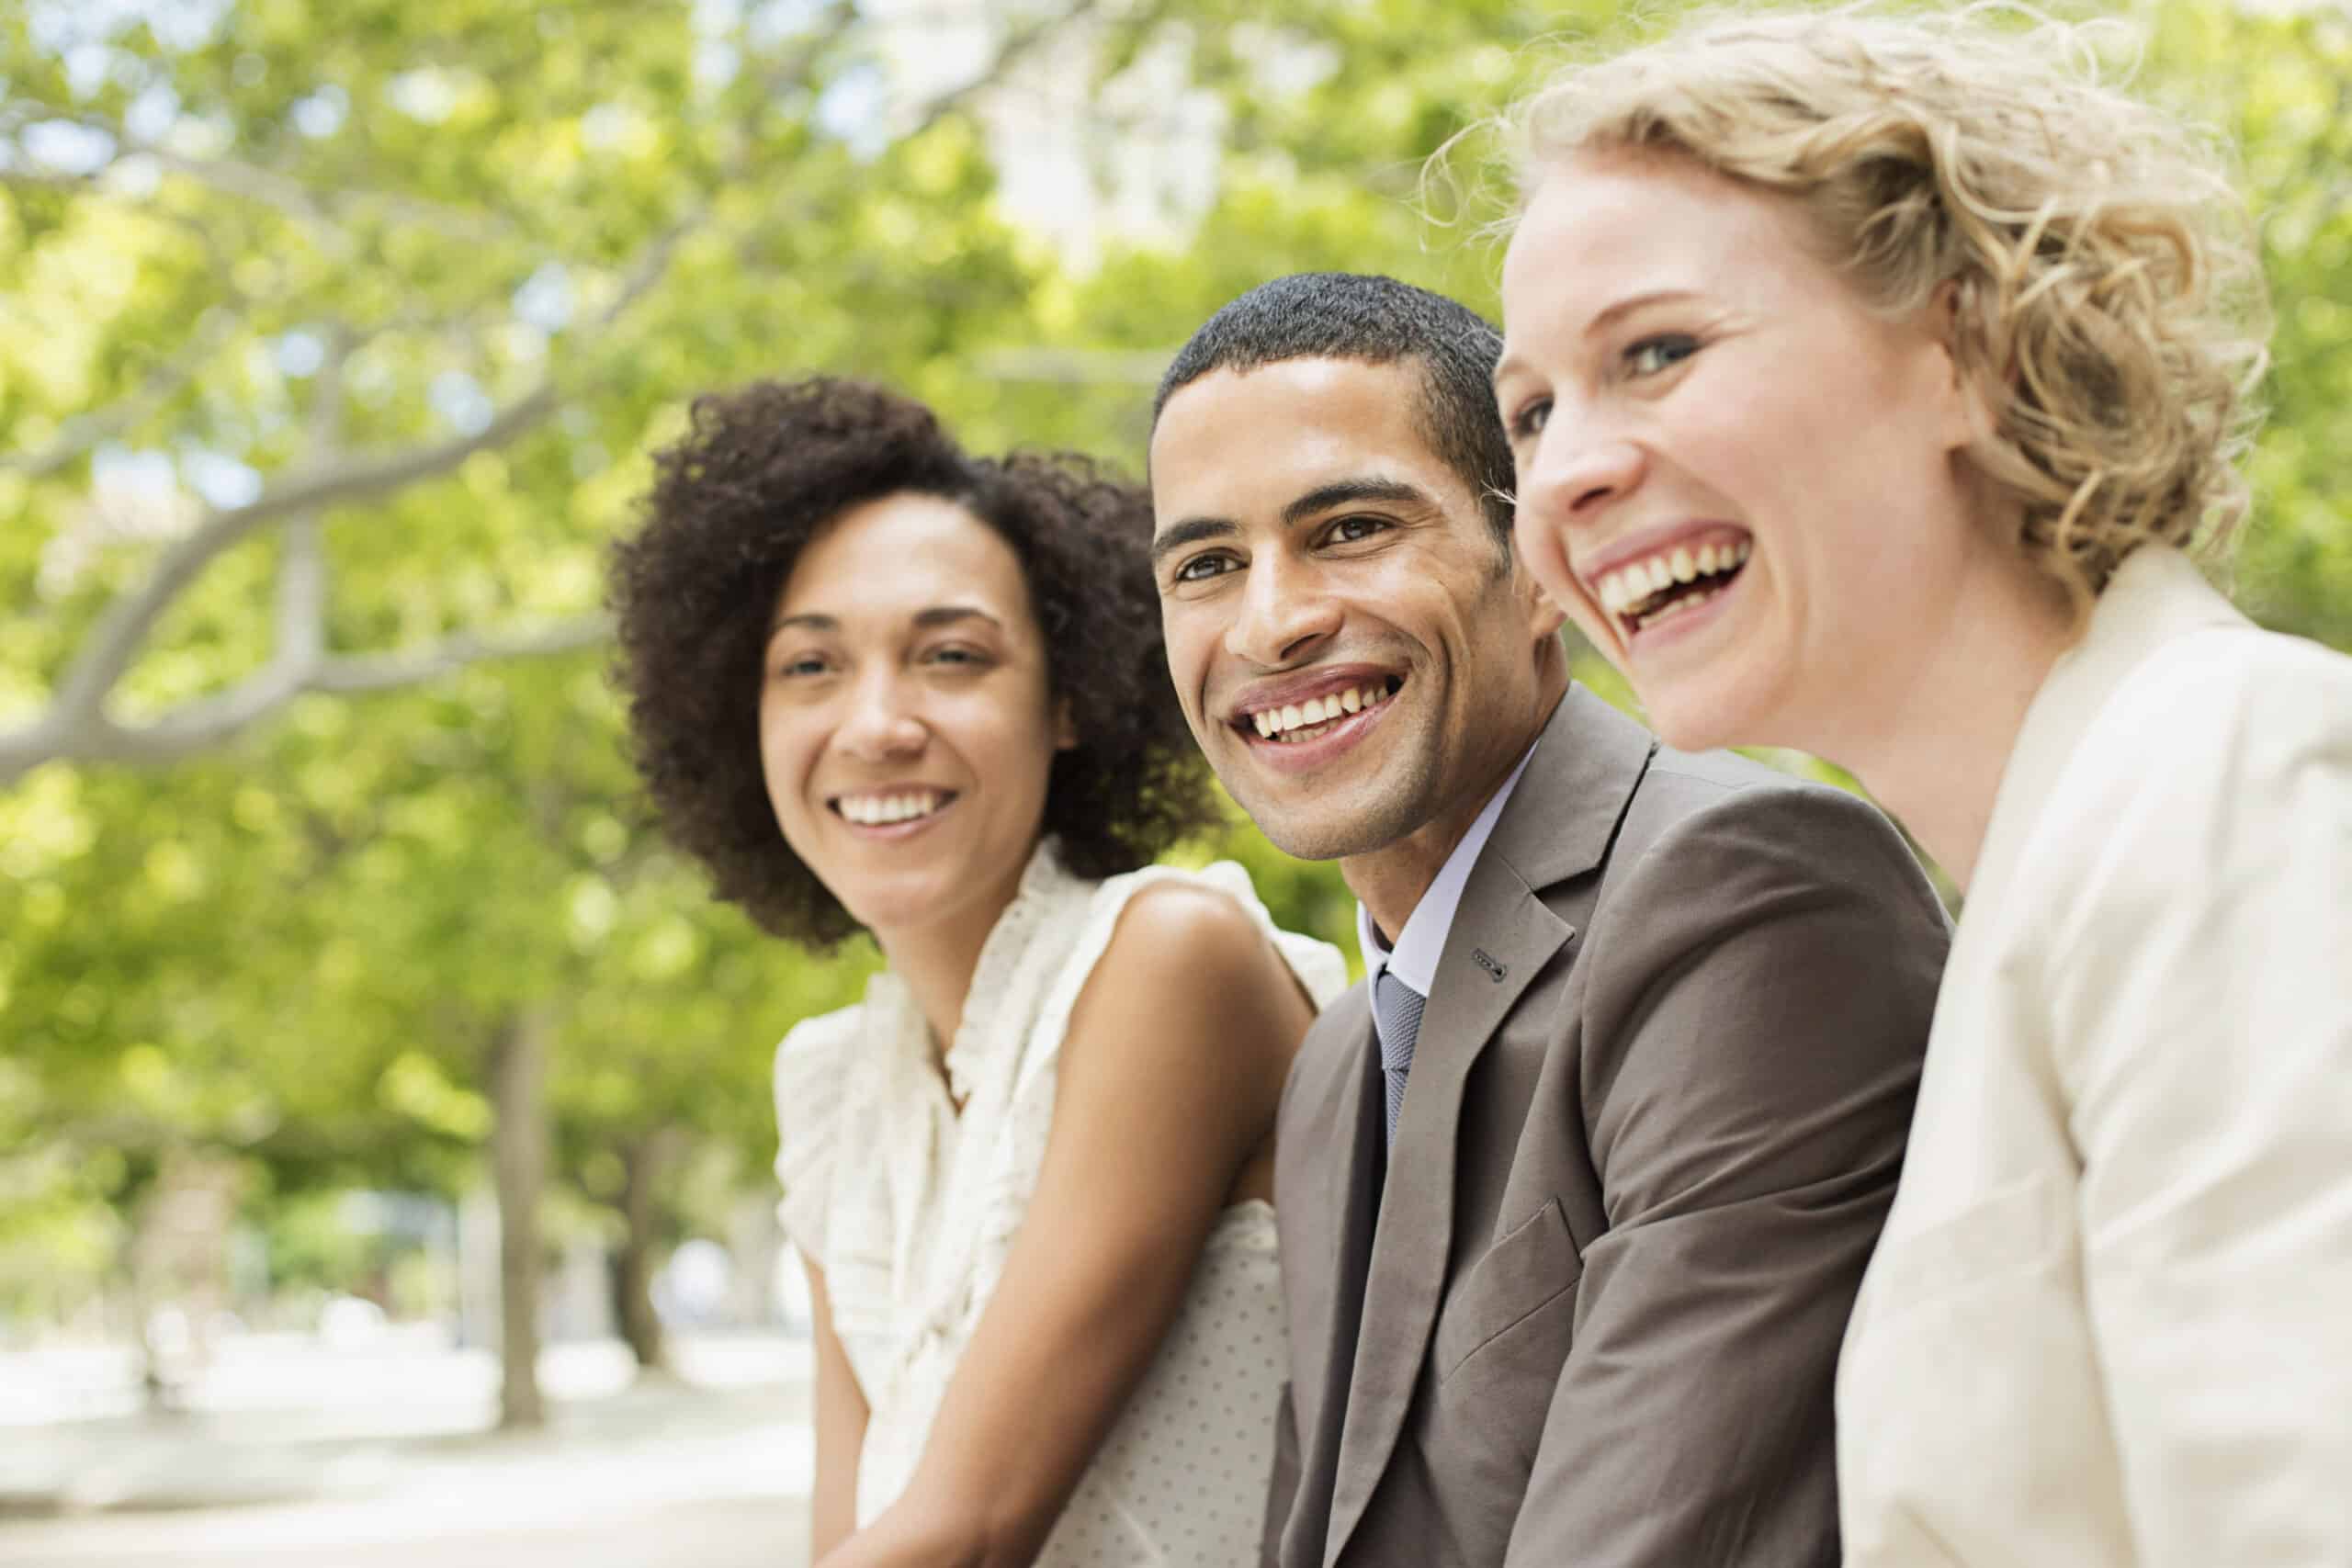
x,y
1657,1111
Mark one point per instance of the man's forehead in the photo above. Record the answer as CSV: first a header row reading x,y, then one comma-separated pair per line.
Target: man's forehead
x,y
1298,420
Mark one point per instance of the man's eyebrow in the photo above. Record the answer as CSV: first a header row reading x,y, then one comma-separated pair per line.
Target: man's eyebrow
x,y
1191,531
1321,499
1348,492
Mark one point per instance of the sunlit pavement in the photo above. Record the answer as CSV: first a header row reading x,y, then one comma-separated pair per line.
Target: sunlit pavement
x,y
363,1457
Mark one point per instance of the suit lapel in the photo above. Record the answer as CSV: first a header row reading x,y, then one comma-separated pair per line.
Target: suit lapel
x,y
1347,1197
1557,824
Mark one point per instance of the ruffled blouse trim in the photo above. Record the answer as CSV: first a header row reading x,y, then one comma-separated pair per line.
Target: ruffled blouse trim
x,y
911,1208
989,1029
810,1079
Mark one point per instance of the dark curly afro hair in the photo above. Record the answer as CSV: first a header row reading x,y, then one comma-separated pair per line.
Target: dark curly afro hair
x,y
759,472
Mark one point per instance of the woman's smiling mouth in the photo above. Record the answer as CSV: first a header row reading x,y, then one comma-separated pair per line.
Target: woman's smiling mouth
x,y
891,808
1666,582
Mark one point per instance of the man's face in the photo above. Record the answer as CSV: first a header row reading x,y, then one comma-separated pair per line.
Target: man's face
x,y
1355,655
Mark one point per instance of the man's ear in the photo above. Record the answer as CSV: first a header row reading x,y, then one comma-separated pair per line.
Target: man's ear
x,y
1547,617
1544,617
1065,726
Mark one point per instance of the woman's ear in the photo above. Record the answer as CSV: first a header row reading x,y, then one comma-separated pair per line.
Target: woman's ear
x,y
1065,726
1969,423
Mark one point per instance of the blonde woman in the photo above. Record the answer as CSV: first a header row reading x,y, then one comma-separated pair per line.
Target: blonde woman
x,y
1871,381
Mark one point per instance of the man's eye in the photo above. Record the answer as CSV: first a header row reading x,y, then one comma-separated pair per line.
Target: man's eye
x,y
1200,568
1529,422
1653,354
1349,530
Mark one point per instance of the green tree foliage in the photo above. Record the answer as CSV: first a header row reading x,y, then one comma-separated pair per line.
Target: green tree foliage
x,y
332,344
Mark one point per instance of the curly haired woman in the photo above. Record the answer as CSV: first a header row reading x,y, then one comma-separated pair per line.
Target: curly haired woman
x,y
880,685
1869,379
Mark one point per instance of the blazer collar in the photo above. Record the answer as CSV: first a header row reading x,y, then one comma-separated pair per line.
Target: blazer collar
x,y
1557,824
2154,596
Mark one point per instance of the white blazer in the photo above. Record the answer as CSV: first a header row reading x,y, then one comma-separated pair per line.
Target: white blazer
x,y
2110,1322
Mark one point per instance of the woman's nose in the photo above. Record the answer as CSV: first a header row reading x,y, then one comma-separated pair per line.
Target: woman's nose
x,y
882,723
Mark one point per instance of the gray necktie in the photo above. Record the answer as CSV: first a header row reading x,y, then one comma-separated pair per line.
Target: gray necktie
x,y
1396,1017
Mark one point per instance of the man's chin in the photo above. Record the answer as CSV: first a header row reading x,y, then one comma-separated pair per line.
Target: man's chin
x,y
1325,827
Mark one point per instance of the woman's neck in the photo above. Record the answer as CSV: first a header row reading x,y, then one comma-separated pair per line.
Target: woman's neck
x,y
1936,758
937,961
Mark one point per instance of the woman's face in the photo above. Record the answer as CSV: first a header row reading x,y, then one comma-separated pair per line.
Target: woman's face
x,y
906,728
1741,483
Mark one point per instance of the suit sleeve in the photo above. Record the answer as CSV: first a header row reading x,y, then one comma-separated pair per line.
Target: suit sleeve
x,y
2200,1002
1763,979
1281,1485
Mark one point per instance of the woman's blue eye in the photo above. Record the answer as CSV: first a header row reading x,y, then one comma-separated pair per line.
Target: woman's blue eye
x,y
1529,421
809,664
1653,354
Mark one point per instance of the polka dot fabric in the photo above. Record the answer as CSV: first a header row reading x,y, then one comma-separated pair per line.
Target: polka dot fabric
x,y
911,1209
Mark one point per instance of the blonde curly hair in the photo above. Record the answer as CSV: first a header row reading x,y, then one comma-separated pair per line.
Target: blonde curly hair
x,y
2108,295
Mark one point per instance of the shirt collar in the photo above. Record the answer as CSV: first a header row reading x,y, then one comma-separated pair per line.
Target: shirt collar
x,y
1422,942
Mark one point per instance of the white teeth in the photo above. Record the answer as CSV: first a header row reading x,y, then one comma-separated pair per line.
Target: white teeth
x,y
1289,721
1619,590
880,810
1689,602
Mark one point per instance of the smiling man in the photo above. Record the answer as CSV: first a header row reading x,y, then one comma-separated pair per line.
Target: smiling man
x,y
1576,1189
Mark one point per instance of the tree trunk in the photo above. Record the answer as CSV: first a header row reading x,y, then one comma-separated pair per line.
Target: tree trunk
x,y
518,1146
642,1164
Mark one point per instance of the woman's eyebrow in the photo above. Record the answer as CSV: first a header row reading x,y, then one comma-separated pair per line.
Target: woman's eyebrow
x,y
936,615
947,614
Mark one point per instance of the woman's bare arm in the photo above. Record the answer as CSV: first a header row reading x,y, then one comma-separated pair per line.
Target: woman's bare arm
x,y
1169,1083
840,1428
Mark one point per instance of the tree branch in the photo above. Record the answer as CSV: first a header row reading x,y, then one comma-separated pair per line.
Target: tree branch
x,y
76,436
121,632
387,672
76,725
206,722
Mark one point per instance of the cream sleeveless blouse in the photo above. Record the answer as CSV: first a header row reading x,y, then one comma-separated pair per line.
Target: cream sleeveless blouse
x,y
910,1210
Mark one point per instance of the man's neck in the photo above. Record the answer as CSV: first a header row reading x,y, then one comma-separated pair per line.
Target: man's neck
x,y
1390,881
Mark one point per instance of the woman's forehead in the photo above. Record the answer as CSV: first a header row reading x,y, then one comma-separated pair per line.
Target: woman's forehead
x,y
903,557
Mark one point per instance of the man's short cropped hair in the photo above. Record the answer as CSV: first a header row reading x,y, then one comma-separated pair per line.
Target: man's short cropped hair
x,y
1377,321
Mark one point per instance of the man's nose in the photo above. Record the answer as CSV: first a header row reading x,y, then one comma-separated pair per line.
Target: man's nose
x,y
1287,611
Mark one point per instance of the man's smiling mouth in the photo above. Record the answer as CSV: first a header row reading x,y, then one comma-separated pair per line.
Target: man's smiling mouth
x,y
1288,723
